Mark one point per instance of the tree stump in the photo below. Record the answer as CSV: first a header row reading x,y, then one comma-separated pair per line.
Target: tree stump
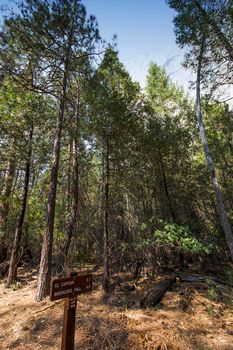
x,y
157,293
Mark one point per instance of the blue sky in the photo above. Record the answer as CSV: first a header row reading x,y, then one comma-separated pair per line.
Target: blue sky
x,y
141,26
145,33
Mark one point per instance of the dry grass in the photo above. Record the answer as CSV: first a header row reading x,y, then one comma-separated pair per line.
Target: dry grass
x,y
116,321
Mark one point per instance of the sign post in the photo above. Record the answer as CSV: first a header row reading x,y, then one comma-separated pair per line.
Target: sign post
x,y
69,288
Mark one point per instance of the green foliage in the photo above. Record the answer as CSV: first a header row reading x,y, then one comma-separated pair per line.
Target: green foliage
x,y
36,38
165,97
14,286
111,98
209,20
210,311
227,274
230,303
157,168
212,293
171,235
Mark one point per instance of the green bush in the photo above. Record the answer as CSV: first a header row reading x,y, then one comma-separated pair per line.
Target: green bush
x,y
171,235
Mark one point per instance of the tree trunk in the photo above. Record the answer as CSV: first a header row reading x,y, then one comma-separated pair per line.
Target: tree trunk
x,y
102,183
12,274
72,223
137,269
44,276
73,192
6,192
106,253
220,204
156,294
166,188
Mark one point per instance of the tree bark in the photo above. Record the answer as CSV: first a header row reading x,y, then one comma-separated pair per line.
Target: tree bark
x,y
12,274
219,199
101,182
73,191
46,252
157,293
6,192
106,252
4,205
166,188
45,270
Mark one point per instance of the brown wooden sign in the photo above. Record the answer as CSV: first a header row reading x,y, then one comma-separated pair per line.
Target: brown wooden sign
x,y
69,288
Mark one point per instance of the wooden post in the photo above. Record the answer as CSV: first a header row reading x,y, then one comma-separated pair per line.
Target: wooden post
x,y
68,331
68,288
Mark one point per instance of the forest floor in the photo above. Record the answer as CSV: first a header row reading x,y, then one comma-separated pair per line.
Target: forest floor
x,y
192,316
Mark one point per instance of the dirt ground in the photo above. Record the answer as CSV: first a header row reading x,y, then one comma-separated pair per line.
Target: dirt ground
x,y
193,316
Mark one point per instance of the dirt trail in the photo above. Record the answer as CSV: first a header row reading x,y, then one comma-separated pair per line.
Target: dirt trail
x,y
185,320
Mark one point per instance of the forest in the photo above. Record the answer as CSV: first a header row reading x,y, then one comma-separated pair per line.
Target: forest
x,y
98,175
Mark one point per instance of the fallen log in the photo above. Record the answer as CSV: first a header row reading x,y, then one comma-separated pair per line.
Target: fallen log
x,y
157,293
198,278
